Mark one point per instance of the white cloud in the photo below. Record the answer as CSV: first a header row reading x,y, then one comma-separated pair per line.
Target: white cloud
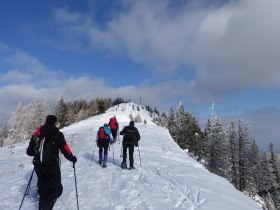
x,y
24,68
63,16
31,80
15,76
233,46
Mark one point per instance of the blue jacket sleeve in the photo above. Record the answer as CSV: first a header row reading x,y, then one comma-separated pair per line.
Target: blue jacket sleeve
x,y
108,132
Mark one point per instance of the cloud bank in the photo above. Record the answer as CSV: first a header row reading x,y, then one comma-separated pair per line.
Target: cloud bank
x,y
230,47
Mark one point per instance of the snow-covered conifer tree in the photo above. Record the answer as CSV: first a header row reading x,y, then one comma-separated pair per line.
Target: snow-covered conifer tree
x,y
233,154
171,126
60,111
188,133
244,144
275,170
254,169
216,146
25,121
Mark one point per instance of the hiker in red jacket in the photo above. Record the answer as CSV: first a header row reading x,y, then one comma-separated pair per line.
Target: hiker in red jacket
x,y
114,127
45,145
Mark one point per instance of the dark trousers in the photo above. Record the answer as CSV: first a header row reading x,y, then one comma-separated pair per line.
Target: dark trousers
x,y
49,185
114,133
103,144
130,152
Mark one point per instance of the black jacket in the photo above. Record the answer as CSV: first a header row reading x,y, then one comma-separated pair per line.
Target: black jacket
x,y
131,135
48,130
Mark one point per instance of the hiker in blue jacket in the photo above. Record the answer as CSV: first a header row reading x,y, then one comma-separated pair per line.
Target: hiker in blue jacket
x,y
103,138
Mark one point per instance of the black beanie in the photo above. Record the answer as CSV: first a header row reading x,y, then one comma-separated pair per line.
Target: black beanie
x,y
51,119
131,123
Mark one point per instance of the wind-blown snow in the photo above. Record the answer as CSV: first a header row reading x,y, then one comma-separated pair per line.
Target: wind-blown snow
x,y
168,178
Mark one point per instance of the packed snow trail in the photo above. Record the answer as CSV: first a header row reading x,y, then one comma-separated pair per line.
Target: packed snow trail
x,y
168,178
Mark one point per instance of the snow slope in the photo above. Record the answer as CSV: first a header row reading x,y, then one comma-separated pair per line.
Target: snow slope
x,y
168,179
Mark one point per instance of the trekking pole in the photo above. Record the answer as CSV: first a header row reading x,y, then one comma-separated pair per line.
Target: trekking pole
x,y
113,154
92,157
93,154
139,155
76,186
121,151
119,137
27,188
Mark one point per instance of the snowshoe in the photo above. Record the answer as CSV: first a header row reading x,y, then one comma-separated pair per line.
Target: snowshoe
x,y
123,165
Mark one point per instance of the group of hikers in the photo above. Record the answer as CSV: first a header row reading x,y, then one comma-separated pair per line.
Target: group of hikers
x,y
108,135
47,141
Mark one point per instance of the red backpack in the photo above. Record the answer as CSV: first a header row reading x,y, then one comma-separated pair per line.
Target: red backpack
x,y
102,134
112,123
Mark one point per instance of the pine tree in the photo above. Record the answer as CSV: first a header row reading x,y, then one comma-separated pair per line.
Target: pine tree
x,y
254,169
267,183
71,116
60,111
275,176
101,106
118,101
188,133
171,126
83,110
274,165
181,122
163,120
38,112
216,146
233,154
243,148
267,180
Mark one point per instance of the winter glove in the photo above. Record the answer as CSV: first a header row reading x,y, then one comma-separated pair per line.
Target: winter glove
x,y
74,159
136,144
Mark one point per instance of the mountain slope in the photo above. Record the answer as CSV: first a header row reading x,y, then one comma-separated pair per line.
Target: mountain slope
x,y
168,178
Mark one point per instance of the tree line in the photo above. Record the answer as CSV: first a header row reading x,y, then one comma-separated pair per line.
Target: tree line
x,y
229,152
26,118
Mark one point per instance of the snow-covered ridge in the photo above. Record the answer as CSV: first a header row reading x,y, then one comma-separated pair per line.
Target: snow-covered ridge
x,y
125,110
165,176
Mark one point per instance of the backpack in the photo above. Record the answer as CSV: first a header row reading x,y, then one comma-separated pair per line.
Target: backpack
x,y
102,134
113,123
130,135
44,150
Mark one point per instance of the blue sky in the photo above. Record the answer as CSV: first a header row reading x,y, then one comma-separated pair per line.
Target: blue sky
x,y
188,51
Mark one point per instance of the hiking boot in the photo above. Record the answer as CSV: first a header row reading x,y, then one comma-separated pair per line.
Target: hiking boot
x,y
104,164
131,166
123,165
100,162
